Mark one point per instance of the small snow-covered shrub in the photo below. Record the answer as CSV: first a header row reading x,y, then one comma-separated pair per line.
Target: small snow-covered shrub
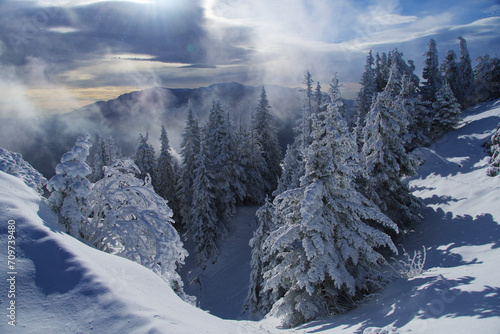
x,y
383,330
13,163
494,150
410,266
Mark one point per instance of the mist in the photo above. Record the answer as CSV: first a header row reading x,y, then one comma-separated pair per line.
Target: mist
x,y
58,59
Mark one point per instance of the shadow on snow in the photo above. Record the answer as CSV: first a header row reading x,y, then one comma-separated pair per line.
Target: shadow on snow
x,y
429,296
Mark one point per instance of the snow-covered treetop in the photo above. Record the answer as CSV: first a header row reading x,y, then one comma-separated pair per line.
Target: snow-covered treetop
x,y
13,163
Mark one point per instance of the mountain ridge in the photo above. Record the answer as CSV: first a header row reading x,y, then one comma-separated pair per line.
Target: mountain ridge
x,y
42,141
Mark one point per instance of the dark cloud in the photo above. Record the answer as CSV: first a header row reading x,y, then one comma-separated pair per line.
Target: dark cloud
x,y
66,35
199,66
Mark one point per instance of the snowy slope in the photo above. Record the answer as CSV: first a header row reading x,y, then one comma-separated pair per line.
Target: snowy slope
x,y
460,290
64,286
222,287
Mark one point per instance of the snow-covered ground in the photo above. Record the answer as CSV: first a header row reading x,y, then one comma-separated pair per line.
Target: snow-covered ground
x,y
222,287
64,286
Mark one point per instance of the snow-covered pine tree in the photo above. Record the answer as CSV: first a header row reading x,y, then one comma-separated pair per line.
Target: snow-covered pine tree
x,y
319,99
258,302
264,126
451,73
223,162
395,82
309,98
293,164
205,227
145,159
254,166
293,169
190,148
303,127
70,187
494,150
106,152
129,219
393,64
365,96
447,112
166,177
404,68
416,111
382,68
466,73
386,159
487,78
324,245
431,73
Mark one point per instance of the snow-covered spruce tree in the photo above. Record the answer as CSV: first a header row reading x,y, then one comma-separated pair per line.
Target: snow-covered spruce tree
x,y
145,159
190,148
466,74
303,127
309,95
324,246
416,111
13,164
387,161
494,148
258,302
127,218
365,96
254,166
293,164
319,99
387,64
404,67
451,73
292,169
487,78
105,153
264,126
431,73
382,69
166,177
446,112
70,187
205,227
223,162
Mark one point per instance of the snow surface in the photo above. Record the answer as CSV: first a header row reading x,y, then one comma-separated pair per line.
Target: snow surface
x,y
223,286
62,285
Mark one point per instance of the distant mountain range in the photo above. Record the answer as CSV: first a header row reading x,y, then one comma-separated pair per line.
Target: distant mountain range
x,y
42,141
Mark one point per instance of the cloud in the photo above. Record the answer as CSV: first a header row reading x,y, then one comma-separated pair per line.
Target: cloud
x,y
84,44
287,37
71,34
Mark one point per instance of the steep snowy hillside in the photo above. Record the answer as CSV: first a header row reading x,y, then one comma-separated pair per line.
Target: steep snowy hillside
x,y
60,285
223,286
459,291
64,286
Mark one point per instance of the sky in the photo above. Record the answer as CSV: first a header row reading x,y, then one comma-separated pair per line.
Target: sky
x,y
58,55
